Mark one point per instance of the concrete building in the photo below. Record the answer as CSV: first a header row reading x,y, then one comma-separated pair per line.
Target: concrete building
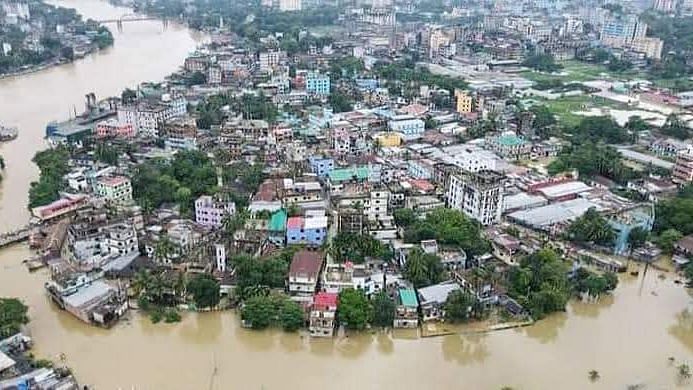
x,y
270,59
306,231
115,189
406,312
410,128
318,84
115,129
211,212
478,194
463,102
683,168
322,315
321,166
304,273
510,146
289,5
432,299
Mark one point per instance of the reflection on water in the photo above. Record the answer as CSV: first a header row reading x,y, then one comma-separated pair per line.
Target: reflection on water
x,y
682,329
592,308
546,330
465,349
627,337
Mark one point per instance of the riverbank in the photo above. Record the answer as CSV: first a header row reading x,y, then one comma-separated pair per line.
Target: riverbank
x,y
66,37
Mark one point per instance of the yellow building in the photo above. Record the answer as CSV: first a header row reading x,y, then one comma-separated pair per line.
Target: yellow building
x,y
387,140
464,101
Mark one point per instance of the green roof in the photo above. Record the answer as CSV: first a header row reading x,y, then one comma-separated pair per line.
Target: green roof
x,y
408,297
510,140
278,221
339,175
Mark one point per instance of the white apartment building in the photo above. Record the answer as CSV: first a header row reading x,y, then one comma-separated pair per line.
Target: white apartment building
x,y
115,189
289,5
478,194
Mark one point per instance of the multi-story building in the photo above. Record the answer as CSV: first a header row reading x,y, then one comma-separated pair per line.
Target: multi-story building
x,y
617,31
683,168
115,129
304,273
478,194
463,102
322,314
120,239
147,118
115,189
214,75
289,5
407,309
180,133
509,145
211,212
664,5
318,84
650,47
321,165
410,128
270,59
306,231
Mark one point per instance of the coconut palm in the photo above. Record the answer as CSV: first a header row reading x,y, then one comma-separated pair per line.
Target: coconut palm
x,y
141,282
164,249
594,375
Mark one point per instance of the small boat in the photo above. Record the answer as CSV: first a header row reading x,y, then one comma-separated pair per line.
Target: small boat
x,y
8,133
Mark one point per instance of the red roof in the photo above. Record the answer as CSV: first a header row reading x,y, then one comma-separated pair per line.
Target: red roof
x,y
325,299
294,223
306,262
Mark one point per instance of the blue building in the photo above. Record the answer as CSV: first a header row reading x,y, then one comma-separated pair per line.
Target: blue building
x,y
369,85
321,166
318,84
623,224
310,231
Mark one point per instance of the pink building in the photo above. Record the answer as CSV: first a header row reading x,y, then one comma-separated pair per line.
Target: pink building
x,y
211,212
113,128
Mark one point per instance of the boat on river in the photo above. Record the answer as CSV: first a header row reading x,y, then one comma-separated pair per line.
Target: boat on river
x,y
8,133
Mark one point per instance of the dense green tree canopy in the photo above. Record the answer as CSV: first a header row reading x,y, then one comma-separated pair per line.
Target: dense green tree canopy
x,y
53,164
590,160
383,310
13,314
449,227
423,269
354,310
540,283
462,306
205,291
357,248
591,227
189,175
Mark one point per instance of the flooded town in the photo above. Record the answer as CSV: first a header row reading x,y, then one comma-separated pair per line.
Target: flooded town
x,y
376,194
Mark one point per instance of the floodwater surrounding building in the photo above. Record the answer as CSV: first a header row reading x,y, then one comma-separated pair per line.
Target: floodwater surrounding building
x,y
627,337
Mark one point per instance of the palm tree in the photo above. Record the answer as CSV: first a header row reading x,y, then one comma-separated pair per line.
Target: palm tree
x,y
684,371
141,282
416,269
594,375
164,249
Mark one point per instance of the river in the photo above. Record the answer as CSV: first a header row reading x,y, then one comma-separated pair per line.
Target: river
x,y
627,337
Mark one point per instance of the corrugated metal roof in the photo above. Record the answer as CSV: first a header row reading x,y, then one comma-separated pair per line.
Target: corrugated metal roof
x,y
408,297
278,221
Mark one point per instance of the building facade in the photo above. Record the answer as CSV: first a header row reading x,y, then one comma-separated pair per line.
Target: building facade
x,y
478,194
211,212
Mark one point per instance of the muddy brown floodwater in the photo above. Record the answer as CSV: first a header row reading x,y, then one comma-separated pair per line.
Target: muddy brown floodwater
x,y
627,337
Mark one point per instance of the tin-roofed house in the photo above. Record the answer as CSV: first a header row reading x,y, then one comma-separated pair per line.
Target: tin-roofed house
x,y
303,275
407,310
432,299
